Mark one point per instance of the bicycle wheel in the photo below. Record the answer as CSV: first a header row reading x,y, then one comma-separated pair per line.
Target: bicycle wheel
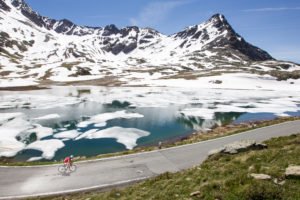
x,y
62,168
73,168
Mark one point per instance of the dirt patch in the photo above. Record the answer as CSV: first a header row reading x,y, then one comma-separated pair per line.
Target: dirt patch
x,y
108,81
23,88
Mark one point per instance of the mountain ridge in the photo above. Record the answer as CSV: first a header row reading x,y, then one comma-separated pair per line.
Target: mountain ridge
x,y
41,48
67,27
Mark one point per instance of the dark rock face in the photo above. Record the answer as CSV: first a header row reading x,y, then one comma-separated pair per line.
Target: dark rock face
x,y
118,46
187,33
125,31
143,41
63,26
130,47
33,16
232,41
110,30
4,6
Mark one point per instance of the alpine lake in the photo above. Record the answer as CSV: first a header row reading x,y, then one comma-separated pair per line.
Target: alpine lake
x,y
91,120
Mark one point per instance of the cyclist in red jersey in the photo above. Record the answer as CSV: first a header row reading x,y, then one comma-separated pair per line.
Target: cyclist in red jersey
x,y
68,161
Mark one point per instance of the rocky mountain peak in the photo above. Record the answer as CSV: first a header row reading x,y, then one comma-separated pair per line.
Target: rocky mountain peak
x,y
17,3
220,22
20,4
110,30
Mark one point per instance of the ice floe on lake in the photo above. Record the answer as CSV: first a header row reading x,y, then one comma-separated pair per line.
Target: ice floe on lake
x,y
14,133
32,159
48,147
9,145
67,134
101,119
7,116
41,132
126,136
47,117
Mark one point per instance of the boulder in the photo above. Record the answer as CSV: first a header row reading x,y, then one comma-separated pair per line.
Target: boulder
x,y
238,146
261,176
292,171
195,193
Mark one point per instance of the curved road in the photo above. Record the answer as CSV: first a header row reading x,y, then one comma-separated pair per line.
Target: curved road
x,y
24,182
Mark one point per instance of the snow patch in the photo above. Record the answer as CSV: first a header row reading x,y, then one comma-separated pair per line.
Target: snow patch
x,y
34,159
67,134
101,119
48,147
41,132
7,116
9,145
126,136
46,117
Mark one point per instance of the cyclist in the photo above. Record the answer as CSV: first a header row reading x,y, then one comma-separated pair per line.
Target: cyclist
x,y
68,161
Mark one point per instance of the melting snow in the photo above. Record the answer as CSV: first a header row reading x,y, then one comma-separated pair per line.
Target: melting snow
x,y
101,119
46,117
126,136
41,132
48,147
67,134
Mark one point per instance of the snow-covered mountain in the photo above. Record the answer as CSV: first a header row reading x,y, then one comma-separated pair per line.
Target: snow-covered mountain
x,y
38,50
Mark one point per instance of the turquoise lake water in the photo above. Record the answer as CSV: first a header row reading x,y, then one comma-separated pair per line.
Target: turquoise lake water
x,y
166,122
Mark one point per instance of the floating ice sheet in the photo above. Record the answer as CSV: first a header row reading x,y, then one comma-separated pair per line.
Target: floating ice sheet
x,y
48,147
101,119
9,147
6,116
67,134
34,159
46,117
126,136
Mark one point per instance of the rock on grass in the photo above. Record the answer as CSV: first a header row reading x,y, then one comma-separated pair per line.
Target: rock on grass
x,y
292,172
261,176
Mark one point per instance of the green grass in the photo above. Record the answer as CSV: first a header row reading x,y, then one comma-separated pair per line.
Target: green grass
x,y
222,176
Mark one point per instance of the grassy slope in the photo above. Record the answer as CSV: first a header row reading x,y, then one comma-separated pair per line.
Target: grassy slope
x,y
222,177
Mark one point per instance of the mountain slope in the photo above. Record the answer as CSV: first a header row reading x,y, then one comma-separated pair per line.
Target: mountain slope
x,y
41,50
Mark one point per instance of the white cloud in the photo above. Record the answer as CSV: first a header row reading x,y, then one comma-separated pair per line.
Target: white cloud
x,y
155,12
271,9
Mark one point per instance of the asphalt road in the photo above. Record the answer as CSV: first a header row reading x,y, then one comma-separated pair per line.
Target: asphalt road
x,y
24,182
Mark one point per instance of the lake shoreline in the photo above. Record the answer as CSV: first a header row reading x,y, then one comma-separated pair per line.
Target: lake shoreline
x,y
215,132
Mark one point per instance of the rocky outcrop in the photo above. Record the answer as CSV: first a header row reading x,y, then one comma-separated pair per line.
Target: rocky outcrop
x,y
238,146
260,176
4,6
110,30
292,172
232,40
195,193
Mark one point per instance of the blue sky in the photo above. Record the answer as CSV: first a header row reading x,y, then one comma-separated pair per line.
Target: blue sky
x,y
273,25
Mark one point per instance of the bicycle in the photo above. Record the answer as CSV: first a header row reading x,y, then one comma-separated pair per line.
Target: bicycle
x,y
67,168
